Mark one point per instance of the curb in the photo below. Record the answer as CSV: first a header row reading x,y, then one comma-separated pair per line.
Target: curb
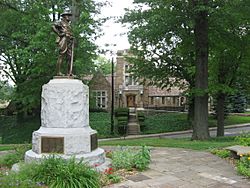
x,y
170,133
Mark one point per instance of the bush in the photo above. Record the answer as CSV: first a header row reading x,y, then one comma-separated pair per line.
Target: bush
x,y
121,115
121,112
169,122
128,159
243,166
142,159
141,119
17,156
57,172
54,172
243,139
101,123
221,153
98,110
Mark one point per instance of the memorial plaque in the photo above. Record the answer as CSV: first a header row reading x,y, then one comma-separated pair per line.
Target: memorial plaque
x,y
93,142
52,145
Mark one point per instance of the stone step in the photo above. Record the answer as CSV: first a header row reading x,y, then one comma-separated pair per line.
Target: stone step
x,y
133,128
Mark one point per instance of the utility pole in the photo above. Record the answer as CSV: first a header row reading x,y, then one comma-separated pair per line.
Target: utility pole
x,y
112,96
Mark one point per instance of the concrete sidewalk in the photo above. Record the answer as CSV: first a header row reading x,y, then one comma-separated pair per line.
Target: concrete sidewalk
x,y
183,168
178,133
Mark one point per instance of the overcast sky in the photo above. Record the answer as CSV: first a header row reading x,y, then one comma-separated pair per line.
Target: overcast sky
x,y
113,31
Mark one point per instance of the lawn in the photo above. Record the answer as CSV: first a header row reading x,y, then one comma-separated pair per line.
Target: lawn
x,y
12,132
6,147
169,122
175,143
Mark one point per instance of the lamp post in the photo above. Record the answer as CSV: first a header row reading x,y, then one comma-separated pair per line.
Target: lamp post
x,y
112,96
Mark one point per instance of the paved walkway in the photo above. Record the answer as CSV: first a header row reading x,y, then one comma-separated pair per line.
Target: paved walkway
x,y
183,168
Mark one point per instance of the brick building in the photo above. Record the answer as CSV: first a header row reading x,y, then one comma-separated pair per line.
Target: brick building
x,y
129,93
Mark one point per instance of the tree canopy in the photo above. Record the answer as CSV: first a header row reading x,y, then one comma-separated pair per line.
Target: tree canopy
x,y
28,49
165,38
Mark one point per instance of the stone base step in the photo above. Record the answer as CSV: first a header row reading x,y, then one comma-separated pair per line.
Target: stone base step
x,y
133,128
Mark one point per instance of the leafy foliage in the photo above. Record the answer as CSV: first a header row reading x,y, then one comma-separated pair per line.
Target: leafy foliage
x,y
28,44
57,172
6,91
221,153
243,166
53,172
127,158
100,121
163,43
243,139
18,155
170,122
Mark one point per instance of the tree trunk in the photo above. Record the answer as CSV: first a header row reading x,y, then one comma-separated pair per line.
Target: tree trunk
x,y
220,113
191,110
75,11
200,129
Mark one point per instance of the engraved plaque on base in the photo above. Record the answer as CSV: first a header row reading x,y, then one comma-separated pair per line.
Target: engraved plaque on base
x,y
93,142
53,145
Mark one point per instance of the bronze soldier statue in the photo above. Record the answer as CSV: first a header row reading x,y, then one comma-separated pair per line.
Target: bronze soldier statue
x,y
65,41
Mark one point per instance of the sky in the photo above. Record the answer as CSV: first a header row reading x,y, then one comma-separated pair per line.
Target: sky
x,y
113,31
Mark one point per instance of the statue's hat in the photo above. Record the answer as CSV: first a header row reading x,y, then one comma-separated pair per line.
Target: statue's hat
x,y
66,13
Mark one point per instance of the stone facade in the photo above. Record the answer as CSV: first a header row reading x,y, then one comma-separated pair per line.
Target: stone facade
x,y
128,93
97,85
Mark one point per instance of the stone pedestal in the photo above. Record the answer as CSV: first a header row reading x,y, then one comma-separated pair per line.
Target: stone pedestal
x,y
65,129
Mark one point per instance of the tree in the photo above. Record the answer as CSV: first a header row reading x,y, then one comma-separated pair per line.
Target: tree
x,y
165,40
103,65
200,130
169,39
28,44
229,53
6,91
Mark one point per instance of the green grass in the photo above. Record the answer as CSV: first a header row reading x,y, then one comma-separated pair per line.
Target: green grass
x,y
170,122
6,147
167,122
101,121
12,132
230,120
175,143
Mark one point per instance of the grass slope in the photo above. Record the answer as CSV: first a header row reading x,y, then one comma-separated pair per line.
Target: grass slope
x,y
175,143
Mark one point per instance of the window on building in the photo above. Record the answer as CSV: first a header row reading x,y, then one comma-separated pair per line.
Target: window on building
x,y
101,99
129,80
152,100
163,100
126,68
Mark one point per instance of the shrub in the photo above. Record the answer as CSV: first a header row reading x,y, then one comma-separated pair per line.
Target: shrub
x,y
57,172
122,120
141,119
221,153
22,179
121,112
128,158
243,166
18,155
142,159
169,122
243,139
53,172
123,159
101,123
